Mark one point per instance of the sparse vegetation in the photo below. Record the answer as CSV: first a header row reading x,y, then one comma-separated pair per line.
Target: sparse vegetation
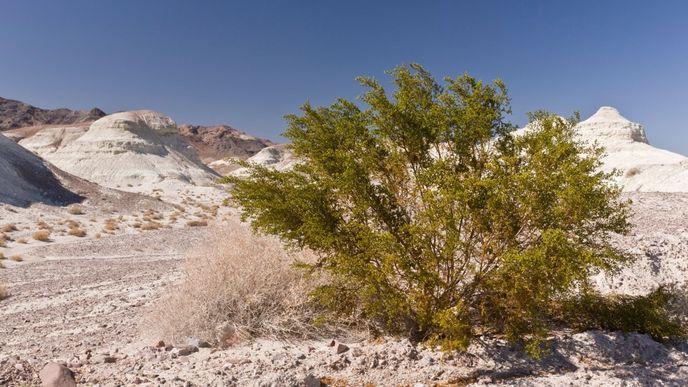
x,y
197,223
41,235
151,225
111,225
77,232
75,209
3,292
432,220
8,228
237,286
22,241
16,258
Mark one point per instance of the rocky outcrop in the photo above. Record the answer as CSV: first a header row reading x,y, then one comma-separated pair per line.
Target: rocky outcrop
x,y
135,151
16,114
26,178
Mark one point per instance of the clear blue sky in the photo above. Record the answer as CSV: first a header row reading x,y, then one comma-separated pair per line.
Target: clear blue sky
x,y
248,63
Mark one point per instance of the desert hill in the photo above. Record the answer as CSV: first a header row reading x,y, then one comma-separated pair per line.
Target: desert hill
x,y
25,178
135,151
642,166
16,114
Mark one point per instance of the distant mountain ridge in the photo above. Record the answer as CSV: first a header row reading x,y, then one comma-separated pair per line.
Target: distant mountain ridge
x,y
222,141
16,114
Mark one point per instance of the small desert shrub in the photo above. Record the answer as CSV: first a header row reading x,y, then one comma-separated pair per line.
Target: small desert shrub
x,y
632,172
3,241
97,236
152,225
242,281
2,255
8,228
17,258
75,209
111,225
3,292
77,232
22,241
41,235
42,225
649,314
196,223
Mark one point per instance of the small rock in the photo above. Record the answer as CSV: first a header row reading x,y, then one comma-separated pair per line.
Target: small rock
x,y
185,350
104,359
161,344
341,348
332,343
312,381
57,375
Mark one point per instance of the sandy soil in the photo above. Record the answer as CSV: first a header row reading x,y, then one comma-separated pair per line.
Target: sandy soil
x,y
82,302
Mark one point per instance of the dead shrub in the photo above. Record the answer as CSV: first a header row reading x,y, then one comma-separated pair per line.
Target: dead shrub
x,y
197,223
632,172
238,286
17,258
151,225
3,292
111,225
22,241
8,228
75,209
41,235
77,232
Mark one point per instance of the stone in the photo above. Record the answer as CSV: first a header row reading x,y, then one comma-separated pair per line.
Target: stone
x,y
185,350
196,342
312,381
341,348
57,375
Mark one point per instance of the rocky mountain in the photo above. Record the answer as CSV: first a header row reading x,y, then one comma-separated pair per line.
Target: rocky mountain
x,y
135,151
16,114
26,179
279,157
221,141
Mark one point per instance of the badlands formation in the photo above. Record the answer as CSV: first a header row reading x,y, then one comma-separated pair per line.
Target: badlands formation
x,y
138,151
80,297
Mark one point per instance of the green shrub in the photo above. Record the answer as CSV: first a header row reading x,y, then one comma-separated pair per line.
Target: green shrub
x,y
431,218
642,314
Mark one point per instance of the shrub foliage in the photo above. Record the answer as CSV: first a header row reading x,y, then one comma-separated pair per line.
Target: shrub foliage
x,y
432,217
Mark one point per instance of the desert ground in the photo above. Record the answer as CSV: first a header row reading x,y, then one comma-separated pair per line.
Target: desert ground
x,y
84,302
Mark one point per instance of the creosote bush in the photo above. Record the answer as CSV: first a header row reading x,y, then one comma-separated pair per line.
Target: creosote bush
x,y
433,219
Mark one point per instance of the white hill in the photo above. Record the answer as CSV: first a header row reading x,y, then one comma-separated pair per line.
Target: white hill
x,y
135,151
26,178
642,166
279,157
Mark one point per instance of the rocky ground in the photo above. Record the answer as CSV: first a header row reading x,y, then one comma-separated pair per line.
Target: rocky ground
x,y
82,303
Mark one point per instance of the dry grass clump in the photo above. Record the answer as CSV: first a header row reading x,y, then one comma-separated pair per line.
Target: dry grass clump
x,y
17,258
151,225
8,228
2,255
3,292
42,225
22,241
197,223
239,285
111,225
77,232
41,235
3,240
75,209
